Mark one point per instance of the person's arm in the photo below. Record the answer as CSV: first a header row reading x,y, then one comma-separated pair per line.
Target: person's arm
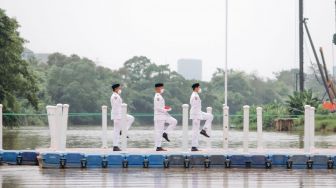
x,y
159,105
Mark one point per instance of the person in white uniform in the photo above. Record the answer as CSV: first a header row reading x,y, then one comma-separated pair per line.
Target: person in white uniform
x,y
116,116
161,116
197,115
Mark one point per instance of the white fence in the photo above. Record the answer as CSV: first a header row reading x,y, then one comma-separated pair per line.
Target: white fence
x,y
58,120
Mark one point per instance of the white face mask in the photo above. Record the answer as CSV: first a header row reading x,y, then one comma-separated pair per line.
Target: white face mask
x,y
199,90
119,91
162,90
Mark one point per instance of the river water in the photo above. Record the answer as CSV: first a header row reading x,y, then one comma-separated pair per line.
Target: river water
x,y
142,137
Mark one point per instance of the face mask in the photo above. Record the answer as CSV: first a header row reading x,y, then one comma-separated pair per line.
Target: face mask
x,y
162,90
119,91
200,90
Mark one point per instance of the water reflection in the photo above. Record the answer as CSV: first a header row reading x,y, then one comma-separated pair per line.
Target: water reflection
x,y
142,137
32,176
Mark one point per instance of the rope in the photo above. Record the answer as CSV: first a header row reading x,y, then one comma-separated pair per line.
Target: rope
x,y
138,114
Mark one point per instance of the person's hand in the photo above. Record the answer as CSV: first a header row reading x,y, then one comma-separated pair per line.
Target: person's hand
x,y
167,108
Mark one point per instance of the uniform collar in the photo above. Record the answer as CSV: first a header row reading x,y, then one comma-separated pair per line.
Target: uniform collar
x,y
115,93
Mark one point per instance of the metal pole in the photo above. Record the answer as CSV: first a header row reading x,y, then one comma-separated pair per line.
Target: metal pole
x,y
318,62
259,128
225,126
209,110
1,126
124,127
301,58
104,126
185,108
246,127
226,52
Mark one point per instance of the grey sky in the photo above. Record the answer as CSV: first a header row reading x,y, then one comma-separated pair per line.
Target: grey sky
x,y
262,33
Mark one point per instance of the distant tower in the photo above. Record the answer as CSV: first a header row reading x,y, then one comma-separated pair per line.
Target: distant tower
x,y
190,68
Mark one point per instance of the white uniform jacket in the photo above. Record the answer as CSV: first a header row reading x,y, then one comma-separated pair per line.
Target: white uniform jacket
x,y
160,113
196,106
116,102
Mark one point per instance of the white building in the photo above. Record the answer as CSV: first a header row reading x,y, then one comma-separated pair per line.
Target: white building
x,y
190,69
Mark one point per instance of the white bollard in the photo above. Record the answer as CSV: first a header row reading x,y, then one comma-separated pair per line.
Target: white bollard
x,y
124,127
65,112
1,126
312,129
259,128
185,118
209,110
225,126
51,112
246,128
59,126
104,126
306,141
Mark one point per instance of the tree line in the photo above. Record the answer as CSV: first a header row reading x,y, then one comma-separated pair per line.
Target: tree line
x,y
27,86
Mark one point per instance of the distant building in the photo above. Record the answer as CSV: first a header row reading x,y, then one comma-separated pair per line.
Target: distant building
x,y
40,57
27,54
190,68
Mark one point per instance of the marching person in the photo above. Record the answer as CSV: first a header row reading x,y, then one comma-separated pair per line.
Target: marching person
x,y
116,115
161,116
197,115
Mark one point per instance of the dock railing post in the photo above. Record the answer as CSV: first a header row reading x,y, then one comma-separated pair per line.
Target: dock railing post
x,y
246,128
124,127
51,112
312,129
225,126
306,140
185,118
259,128
209,110
104,126
64,125
59,126
1,126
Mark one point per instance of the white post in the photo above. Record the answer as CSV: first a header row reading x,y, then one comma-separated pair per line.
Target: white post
x,y
104,126
185,108
124,127
225,126
259,128
209,110
226,51
64,125
59,126
306,141
312,128
246,128
1,126
51,111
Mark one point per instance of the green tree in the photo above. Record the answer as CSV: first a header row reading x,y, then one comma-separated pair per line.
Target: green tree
x,y
16,80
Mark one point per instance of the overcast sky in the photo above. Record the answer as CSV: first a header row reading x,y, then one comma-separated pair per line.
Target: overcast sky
x,y
262,33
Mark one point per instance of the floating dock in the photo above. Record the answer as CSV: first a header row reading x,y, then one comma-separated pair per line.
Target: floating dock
x,y
149,158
